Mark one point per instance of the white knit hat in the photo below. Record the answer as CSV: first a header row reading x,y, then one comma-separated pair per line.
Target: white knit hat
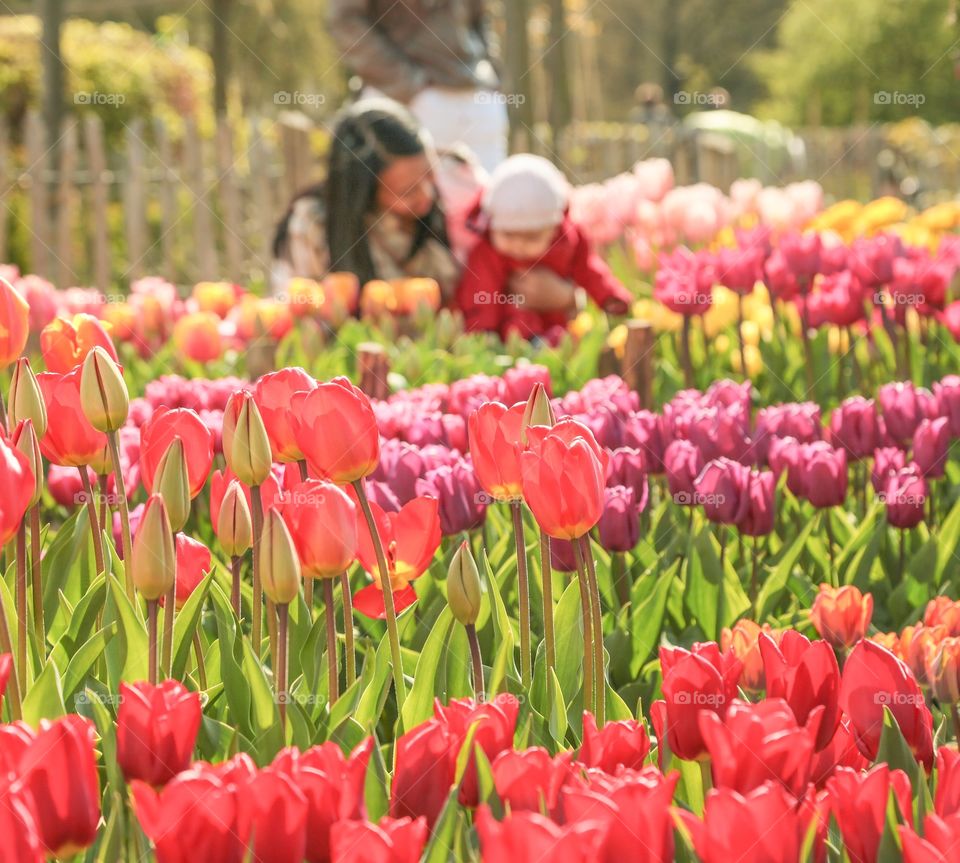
x,y
525,193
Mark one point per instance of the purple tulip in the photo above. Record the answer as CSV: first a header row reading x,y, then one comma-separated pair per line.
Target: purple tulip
x,y
779,278
801,253
683,463
853,427
905,495
642,430
626,467
799,420
904,406
931,444
519,382
458,493
887,460
824,471
563,558
947,394
619,525
400,465
722,488
871,258
759,518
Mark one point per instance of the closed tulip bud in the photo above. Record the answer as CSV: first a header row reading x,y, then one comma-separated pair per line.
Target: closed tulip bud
x,y
153,564
103,392
246,445
234,525
539,411
25,439
172,483
279,564
26,400
463,586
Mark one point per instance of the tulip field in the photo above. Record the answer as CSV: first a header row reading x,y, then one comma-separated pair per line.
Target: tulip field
x,y
498,605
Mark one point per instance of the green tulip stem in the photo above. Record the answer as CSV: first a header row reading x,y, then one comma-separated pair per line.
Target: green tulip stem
x,y
393,632
121,493
21,604
152,605
281,670
94,520
201,665
523,594
169,613
589,700
235,574
257,627
348,649
36,579
600,689
333,675
477,662
546,572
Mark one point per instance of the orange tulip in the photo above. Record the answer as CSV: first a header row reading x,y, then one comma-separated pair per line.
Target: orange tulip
x,y
744,640
158,433
323,523
841,615
563,483
336,429
14,323
273,394
410,539
197,336
216,297
65,344
943,670
494,434
376,298
70,440
342,289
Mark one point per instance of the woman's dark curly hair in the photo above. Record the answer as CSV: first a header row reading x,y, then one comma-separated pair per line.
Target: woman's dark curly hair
x,y
366,138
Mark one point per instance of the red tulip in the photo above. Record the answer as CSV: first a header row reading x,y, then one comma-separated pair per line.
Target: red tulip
x,y
59,772
195,817
765,824
841,751
158,432
874,679
563,483
273,394
859,802
756,742
333,786
806,676
941,839
18,484
65,343
623,743
947,798
19,836
703,679
323,523
14,323
410,539
274,810
336,429
531,779
634,809
426,756
400,840
193,564
841,615
156,730
271,492
495,434
531,836
70,440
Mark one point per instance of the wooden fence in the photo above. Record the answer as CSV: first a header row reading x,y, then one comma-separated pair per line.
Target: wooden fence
x,y
192,206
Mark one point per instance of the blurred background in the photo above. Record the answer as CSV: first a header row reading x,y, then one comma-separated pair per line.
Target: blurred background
x,y
140,136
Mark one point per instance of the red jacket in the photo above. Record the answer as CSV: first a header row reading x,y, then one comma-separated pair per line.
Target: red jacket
x,y
485,299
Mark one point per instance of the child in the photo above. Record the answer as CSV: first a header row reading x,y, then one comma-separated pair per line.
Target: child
x,y
523,223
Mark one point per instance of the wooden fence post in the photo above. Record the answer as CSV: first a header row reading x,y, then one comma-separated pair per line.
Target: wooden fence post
x,y
638,360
